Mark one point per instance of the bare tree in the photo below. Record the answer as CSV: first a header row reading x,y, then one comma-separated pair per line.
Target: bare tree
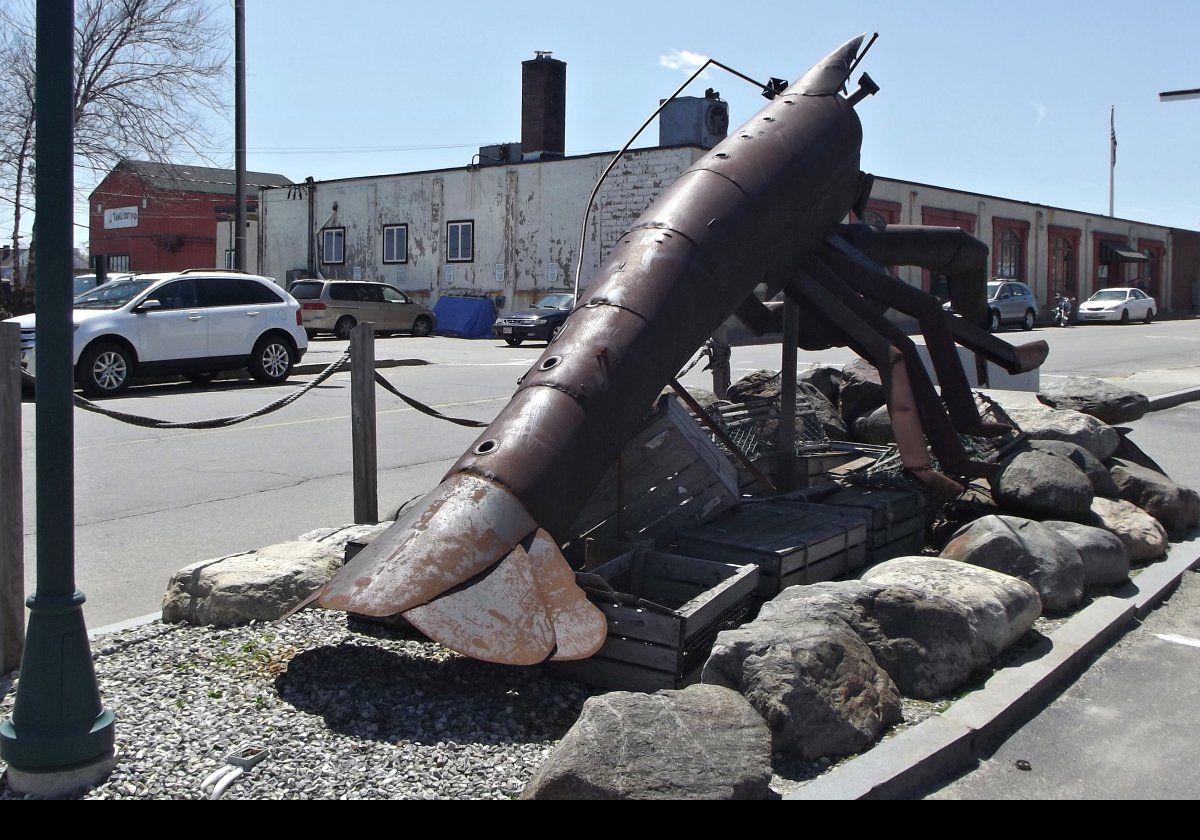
x,y
149,77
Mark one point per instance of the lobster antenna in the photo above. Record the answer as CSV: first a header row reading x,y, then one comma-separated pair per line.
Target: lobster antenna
x,y
858,59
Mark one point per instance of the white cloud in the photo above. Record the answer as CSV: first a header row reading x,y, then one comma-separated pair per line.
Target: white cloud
x,y
1039,110
683,60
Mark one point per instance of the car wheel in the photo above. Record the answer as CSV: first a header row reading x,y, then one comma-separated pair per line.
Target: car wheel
x,y
343,327
105,369
421,327
1030,318
554,333
272,359
1124,316
1149,316
201,377
994,324
311,334
513,342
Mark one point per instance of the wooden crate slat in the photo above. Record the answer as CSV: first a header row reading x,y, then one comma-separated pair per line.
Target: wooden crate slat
x,y
639,622
643,654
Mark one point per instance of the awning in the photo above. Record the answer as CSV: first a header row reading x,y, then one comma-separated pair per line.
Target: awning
x,y
1111,253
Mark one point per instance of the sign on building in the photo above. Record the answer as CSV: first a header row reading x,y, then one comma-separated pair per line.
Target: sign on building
x,y
121,217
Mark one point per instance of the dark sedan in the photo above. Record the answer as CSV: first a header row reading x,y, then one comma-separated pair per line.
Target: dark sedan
x,y
541,323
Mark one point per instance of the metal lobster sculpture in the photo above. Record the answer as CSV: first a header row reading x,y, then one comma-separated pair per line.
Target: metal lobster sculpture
x,y
475,564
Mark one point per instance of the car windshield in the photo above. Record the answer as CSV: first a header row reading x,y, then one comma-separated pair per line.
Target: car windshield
x,y
555,302
112,295
307,291
1109,294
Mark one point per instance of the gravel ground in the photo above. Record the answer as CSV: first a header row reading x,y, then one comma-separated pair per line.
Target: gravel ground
x,y
349,710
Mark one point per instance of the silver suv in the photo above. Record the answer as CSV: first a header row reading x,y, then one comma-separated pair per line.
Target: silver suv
x,y
1011,302
337,306
195,322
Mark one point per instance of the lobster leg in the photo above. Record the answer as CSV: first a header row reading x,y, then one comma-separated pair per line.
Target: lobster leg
x,y
893,371
942,434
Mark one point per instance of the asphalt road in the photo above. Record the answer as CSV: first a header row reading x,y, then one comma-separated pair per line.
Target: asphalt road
x,y
149,501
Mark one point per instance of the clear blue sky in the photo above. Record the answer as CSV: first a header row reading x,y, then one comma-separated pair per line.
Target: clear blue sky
x,y
1009,98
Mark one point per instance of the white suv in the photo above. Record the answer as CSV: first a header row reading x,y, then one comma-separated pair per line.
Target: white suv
x,y
195,322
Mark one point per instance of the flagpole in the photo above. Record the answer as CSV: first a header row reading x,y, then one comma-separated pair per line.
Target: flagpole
x,y
1112,156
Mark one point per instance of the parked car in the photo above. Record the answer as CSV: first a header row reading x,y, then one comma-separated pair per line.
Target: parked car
x,y
1011,302
84,283
337,306
1119,304
195,323
541,323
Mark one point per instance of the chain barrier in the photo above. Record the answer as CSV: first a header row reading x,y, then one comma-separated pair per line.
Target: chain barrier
x,y
223,422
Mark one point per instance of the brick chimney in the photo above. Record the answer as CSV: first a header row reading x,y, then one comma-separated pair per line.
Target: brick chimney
x,y
543,107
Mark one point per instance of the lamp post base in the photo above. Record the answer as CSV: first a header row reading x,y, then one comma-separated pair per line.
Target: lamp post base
x,y
61,783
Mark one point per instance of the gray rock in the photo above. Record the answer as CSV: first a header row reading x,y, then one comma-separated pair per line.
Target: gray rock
x,y
336,538
1103,400
925,642
808,396
815,682
1105,558
262,585
1001,608
825,378
1025,549
1042,484
704,742
861,391
1142,535
1097,473
1129,451
1176,508
757,385
1042,423
875,427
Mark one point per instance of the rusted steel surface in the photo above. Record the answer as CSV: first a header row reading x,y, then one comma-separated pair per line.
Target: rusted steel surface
x,y
760,208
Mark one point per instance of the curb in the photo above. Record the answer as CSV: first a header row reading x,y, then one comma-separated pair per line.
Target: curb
x,y
948,744
127,624
1173,398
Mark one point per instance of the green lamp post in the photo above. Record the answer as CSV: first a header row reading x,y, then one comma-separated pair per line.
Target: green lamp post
x,y
60,736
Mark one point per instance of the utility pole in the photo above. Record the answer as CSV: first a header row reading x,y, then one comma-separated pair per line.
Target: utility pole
x,y
239,72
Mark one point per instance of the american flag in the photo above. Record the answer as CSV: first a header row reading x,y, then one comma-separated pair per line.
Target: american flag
x,y
1112,130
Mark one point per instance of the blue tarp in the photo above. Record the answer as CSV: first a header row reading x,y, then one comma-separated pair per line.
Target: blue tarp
x,y
465,317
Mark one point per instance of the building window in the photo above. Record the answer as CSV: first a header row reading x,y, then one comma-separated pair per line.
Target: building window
x,y
1062,267
1008,262
395,243
333,245
460,241
118,262
229,258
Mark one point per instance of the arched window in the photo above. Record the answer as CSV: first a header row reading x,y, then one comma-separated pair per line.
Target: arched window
x,y
1062,272
1009,261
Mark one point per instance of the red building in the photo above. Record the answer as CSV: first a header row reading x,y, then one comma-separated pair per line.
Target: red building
x,y
163,217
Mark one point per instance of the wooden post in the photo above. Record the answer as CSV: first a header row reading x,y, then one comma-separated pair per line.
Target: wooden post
x,y
12,556
785,474
362,416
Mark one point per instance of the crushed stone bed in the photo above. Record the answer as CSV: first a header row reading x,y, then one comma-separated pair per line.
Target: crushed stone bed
x,y
348,709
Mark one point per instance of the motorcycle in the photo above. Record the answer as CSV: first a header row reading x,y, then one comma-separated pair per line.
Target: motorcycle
x,y
1063,308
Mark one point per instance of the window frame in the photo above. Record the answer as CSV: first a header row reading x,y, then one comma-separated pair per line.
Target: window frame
x,y
118,263
391,228
470,224
337,232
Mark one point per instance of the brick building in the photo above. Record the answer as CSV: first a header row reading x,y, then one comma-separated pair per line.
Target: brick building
x,y
163,217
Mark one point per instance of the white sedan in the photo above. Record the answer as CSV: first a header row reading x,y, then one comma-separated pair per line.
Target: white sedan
x,y
1122,305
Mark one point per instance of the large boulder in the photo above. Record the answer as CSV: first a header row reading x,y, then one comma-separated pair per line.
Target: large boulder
x,y
756,385
875,427
1103,400
1042,423
861,391
336,538
1025,549
262,585
1129,451
1176,508
810,397
825,378
704,742
1105,558
1042,484
1001,608
1142,535
815,682
1097,473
